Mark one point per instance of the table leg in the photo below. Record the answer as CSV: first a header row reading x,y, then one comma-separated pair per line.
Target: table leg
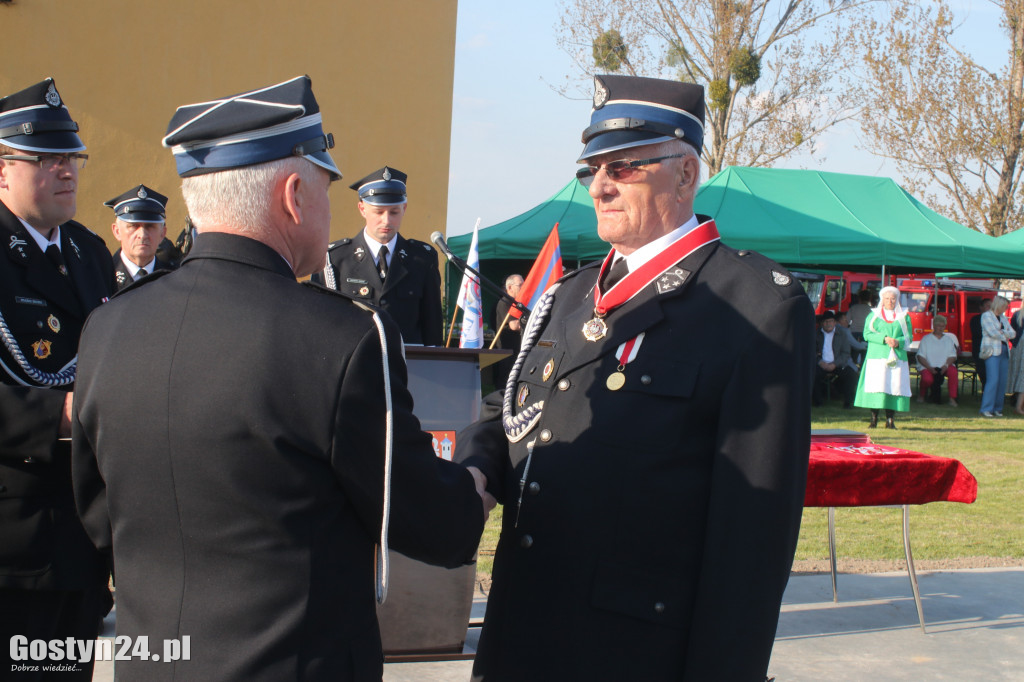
x,y
910,565
832,550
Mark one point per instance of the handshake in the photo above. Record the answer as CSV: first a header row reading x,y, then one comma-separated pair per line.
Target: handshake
x,y
481,488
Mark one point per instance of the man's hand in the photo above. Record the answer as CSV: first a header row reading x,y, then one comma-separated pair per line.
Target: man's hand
x,y
827,366
481,488
64,430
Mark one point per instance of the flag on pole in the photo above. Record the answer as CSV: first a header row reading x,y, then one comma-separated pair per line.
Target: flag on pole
x,y
469,300
545,271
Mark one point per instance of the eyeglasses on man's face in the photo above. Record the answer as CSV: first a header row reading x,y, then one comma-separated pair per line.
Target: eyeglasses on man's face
x,y
622,170
50,162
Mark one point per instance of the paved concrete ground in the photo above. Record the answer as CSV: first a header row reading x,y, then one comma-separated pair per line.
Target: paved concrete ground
x,y
975,622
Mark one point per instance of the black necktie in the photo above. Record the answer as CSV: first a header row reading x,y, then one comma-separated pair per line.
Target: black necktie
x,y
53,253
141,273
618,270
382,263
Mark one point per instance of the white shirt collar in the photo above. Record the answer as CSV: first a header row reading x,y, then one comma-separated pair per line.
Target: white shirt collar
x,y
133,269
652,249
42,241
375,245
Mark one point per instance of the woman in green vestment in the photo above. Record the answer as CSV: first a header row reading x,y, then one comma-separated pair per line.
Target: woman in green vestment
x,y
885,377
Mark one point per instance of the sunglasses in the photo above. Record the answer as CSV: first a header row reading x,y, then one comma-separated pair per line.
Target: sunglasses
x,y
621,170
50,162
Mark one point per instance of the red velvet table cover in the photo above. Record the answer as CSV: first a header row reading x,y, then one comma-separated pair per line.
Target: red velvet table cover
x,y
847,475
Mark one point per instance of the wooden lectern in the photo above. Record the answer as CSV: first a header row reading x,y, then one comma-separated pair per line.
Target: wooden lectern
x,y
427,609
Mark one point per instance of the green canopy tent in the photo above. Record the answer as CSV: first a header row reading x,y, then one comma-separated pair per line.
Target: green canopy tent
x,y
808,219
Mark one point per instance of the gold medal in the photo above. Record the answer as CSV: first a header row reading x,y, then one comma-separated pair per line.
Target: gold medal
x,y
615,381
595,329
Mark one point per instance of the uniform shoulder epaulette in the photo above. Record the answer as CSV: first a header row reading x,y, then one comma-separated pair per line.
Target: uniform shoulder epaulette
x,y
427,248
321,289
79,227
763,266
339,243
151,277
573,273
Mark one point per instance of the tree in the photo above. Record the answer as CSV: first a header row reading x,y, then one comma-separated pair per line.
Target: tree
x,y
769,66
952,127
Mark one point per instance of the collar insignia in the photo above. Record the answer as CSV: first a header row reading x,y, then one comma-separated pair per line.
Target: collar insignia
x,y
17,246
781,279
672,280
78,253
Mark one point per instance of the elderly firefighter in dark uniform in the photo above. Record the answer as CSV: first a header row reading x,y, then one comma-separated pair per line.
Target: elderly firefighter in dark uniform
x,y
381,266
53,272
651,450
278,445
140,226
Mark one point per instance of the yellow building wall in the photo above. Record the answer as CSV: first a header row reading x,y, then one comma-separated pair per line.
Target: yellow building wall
x,y
382,72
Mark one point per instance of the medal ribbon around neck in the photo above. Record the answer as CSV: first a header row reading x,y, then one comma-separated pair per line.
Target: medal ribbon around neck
x,y
635,282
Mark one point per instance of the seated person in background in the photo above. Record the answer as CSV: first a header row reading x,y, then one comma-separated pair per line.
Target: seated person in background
x,y
858,313
936,358
833,351
857,346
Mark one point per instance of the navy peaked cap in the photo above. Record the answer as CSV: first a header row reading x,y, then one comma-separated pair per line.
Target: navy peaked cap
x,y
253,127
36,120
382,187
630,111
140,204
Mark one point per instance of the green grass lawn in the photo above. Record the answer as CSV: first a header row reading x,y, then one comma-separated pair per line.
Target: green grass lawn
x,y
992,449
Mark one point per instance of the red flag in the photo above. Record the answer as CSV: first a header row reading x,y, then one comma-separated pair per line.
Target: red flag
x,y
545,271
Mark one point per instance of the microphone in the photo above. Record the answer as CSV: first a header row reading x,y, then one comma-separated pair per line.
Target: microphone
x,y
438,239
465,267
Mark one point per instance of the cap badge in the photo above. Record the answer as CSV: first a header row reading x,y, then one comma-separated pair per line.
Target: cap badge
x,y
41,349
600,94
52,98
781,279
548,369
524,392
142,193
387,173
53,323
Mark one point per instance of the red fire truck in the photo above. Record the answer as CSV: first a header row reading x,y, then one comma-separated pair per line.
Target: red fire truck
x,y
923,297
958,303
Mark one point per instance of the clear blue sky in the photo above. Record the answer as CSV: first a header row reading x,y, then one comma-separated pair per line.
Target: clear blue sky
x,y
515,139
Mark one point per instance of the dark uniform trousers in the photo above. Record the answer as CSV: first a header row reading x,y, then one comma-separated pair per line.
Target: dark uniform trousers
x,y
249,521
53,582
411,294
657,521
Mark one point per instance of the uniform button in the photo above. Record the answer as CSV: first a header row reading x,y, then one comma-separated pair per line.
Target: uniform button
x,y
526,542
534,488
383,301
545,435
659,607
39,324
563,385
646,380
29,460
